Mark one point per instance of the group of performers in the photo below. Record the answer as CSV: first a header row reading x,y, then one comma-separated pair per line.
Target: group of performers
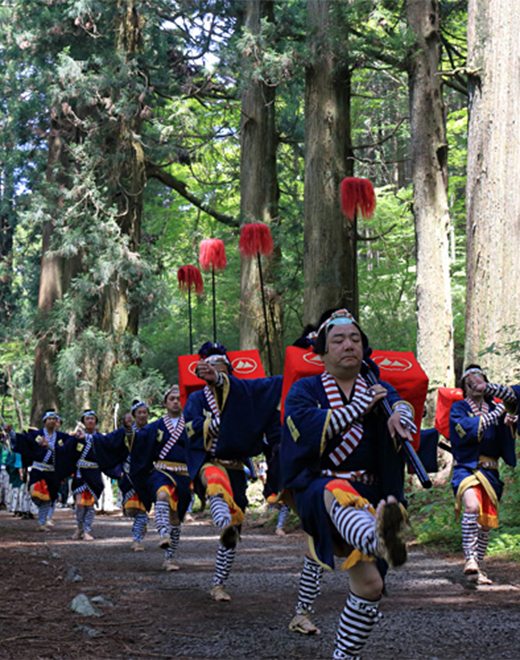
x,y
335,460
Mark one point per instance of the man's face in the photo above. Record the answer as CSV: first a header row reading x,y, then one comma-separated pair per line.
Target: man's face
x,y
50,424
141,417
173,404
344,348
89,421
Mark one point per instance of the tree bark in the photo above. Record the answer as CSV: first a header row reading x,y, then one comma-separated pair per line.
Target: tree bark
x,y
330,263
493,194
259,203
55,276
432,221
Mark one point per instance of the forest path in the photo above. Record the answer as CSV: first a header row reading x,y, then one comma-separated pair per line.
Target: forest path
x,y
432,611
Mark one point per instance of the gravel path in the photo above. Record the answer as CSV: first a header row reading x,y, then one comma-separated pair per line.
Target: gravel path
x,y
432,611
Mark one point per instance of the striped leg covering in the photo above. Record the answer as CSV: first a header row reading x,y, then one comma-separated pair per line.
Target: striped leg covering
x,y
470,535
223,564
43,512
282,515
88,518
356,526
139,526
175,535
162,518
355,625
80,516
482,544
310,580
219,511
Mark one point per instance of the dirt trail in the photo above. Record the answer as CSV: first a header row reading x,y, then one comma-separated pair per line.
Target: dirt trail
x,y
432,611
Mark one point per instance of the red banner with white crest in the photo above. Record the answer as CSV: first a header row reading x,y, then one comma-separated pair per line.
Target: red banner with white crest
x,y
399,368
246,364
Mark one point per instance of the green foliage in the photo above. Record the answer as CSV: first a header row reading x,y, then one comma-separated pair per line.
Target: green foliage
x,y
175,94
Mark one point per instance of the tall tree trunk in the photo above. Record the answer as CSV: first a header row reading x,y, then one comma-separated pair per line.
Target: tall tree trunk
x,y
432,221
119,315
329,259
493,196
55,276
7,223
259,202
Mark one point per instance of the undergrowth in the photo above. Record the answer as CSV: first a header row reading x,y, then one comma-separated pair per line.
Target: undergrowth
x,y
432,516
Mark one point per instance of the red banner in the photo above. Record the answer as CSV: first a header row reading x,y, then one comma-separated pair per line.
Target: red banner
x,y
246,364
445,398
399,368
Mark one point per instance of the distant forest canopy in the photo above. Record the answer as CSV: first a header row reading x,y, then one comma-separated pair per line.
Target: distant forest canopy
x,y
133,130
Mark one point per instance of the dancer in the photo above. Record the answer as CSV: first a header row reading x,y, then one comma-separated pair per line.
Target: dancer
x,y
225,424
159,473
479,438
87,484
51,455
340,464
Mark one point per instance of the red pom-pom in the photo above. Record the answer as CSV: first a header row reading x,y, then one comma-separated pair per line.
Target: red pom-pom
x,y
256,238
357,196
212,254
190,278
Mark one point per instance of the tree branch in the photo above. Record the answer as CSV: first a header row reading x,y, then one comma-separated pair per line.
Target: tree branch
x,y
383,139
154,171
369,239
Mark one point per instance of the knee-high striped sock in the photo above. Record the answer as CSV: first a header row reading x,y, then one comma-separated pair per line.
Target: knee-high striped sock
x,y
43,512
219,511
355,624
310,579
162,518
175,535
470,534
88,518
282,515
80,516
482,544
223,564
139,526
356,526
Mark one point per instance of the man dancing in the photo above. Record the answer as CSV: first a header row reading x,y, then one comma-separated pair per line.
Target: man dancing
x,y
87,484
52,455
479,438
159,473
341,465
226,423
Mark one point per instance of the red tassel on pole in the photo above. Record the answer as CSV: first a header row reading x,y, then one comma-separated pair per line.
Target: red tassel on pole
x,y
189,278
357,196
255,238
212,255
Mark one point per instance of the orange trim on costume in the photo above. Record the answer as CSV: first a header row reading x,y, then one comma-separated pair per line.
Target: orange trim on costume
x,y
488,515
134,503
40,491
346,495
87,499
218,484
173,498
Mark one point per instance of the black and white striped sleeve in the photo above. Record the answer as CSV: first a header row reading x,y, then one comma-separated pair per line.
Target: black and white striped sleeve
x,y
344,416
492,417
506,394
